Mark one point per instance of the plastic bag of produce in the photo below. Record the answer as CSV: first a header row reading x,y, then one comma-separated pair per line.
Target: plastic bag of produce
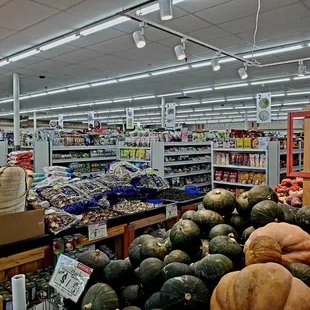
x,y
51,169
122,170
92,188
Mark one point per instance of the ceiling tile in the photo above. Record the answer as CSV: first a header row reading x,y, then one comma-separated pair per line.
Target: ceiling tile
x,y
198,5
4,32
19,14
47,65
209,33
78,56
59,4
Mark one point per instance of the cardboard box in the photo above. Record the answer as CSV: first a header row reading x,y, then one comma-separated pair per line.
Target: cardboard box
x,y
21,226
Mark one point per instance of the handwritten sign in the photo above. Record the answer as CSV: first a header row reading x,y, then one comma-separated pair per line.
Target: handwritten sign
x,y
171,211
97,231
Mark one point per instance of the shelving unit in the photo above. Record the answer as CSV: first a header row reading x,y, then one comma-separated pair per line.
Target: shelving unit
x,y
299,167
133,154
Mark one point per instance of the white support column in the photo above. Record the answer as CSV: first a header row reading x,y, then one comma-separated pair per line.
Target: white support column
x,y
16,108
34,122
163,112
246,124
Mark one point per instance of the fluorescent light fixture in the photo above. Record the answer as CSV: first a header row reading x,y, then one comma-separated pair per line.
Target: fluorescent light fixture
x,y
145,97
153,8
277,95
302,77
296,103
38,95
4,62
117,110
274,51
186,111
24,55
227,59
192,91
104,83
202,110
189,103
59,42
151,107
51,92
86,104
105,25
220,117
270,81
122,100
246,107
230,113
134,77
70,106
239,99
213,101
222,109
78,87
24,97
231,86
103,102
196,115
166,71
299,93
276,105
55,108
292,109
201,64
170,94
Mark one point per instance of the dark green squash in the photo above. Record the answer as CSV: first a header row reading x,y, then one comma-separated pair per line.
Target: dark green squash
x,y
94,259
151,274
260,193
100,297
176,270
132,308
266,212
168,244
118,273
185,292
247,233
206,219
134,249
243,207
289,213
130,296
303,218
153,302
220,200
153,248
212,268
227,246
189,215
203,250
300,271
167,234
185,235
177,256
238,222
223,230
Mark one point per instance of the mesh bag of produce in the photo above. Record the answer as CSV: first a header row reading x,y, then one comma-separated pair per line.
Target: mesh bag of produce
x,y
122,170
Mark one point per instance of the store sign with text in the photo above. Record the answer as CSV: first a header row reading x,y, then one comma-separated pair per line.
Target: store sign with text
x,y
170,115
263,108
130,118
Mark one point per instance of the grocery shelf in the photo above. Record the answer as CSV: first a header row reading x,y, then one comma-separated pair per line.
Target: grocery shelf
x,y
187,153
134,148
295,168
239,150
297,151
185,174
187,162
240,167
234,184
83,147
135,160
196,184
78,160
187,143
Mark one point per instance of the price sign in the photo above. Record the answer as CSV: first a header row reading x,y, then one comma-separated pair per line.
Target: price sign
x,y
171,211
200,206
70,277
97,231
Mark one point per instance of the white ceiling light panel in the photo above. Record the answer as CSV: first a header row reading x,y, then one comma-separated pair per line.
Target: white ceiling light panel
x,y
271,81
231,86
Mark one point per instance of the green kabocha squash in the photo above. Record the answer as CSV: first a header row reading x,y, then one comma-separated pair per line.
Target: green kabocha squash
x,y
238,222
266,212
153,248
260,193
303,218
247,233
94,259
220,200
206,219
203,250
153,302
243,206
185,292
189,215
167,234
100,297
289,213
223,230
168,244
134,249
151,274
185,235
227,246
300,271
177,256
132,308
212,268
130,296
118,273
176,270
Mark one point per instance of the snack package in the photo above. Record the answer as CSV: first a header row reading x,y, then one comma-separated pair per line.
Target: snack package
x,y
233,177
252,160
247,143
218,175
218,158
233,158
246,159
226,176
257,160
262,160
239,143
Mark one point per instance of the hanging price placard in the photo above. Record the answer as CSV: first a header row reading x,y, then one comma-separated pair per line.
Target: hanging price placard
x,y
97,231
70,277
200,206
171,211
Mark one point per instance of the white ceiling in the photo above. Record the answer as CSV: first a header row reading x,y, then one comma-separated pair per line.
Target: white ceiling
x,y
226,24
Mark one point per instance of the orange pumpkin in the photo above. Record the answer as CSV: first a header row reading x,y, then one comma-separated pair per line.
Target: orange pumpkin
x,y
294,242
267,286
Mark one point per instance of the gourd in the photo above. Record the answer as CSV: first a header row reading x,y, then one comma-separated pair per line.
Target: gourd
x,y
260,193
247,233
243,207
130,296
223,230
100,297
238,222
207,219
203,250
263,249
289,213
189,215
185,292
177,256
266,212
260,286
220,200
303,218
300,271
153,302
96,260
153,248
134,249
176,270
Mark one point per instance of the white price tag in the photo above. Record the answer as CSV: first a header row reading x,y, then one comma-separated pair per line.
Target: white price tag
x,y
70,277
200,206
171,211
97,231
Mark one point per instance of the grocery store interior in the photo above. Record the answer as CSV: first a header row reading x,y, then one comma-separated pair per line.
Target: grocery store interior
x,y
154,154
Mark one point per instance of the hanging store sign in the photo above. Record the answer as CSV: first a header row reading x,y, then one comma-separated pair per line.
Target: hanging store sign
x,y
130,118
170,115
60,121
91,120
263,108
53,123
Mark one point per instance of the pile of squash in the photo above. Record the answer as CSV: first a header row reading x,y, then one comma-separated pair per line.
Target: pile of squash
x,y
243,254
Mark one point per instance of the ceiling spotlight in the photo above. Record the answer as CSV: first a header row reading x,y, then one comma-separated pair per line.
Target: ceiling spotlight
x,y
180,50
166,9
138,36
302,69
215,64
243,73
